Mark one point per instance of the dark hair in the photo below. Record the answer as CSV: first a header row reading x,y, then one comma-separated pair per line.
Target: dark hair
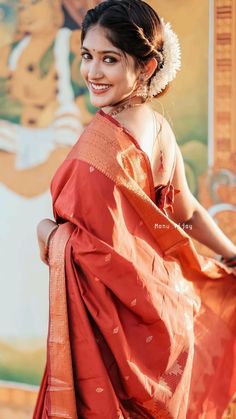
x,y
133,27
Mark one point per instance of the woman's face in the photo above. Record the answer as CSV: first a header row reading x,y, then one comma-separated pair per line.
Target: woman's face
x,y
109,75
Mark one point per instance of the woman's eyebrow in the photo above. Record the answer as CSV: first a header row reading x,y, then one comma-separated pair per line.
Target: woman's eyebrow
x,y
102,52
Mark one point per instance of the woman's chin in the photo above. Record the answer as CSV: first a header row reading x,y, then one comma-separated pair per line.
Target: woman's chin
x,y
99,103
101,100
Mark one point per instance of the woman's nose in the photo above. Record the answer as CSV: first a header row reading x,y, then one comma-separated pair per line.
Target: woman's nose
x,y
95,71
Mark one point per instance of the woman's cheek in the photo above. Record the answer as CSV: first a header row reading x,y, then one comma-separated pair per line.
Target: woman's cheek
x,y
83,71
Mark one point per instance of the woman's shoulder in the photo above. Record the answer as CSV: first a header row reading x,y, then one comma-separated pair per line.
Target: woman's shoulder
x,y
165,140
164,151
164,126
102,123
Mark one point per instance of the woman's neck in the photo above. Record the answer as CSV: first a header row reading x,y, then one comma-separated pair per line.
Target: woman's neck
x,y
124,105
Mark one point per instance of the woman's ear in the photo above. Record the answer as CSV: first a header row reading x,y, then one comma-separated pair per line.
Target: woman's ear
x,y
150,67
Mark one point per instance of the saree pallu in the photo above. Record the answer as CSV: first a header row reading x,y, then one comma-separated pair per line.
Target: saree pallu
x,y
141,326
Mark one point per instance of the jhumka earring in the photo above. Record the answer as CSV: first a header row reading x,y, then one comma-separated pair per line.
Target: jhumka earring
x,y
143,88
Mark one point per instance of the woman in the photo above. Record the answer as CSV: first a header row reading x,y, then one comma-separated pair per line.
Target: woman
x,y
121,338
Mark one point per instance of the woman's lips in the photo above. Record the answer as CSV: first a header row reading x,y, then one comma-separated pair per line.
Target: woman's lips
x,y
99,88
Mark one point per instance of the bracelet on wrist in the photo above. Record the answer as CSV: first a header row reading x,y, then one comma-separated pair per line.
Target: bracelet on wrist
x,y
229,262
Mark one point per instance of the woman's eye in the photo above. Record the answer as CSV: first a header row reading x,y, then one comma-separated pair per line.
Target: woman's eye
x,y
110,60
107,59
85,56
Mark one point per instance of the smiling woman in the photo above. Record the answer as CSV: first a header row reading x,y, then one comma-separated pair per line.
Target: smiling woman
x,y
109,76
141,326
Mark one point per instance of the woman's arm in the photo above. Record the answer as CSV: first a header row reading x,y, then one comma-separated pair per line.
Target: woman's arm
x,y
187,210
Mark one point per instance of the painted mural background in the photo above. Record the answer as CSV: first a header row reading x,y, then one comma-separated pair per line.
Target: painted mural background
x,y
44,106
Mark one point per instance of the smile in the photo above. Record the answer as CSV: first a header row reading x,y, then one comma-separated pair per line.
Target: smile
x,y
99,88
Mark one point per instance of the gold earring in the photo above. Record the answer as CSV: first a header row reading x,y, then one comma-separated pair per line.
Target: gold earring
x,y
142,88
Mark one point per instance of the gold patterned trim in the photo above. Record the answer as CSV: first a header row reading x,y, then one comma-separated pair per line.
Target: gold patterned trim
x,y
59,352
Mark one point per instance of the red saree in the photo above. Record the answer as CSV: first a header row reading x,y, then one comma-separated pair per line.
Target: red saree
x,y
127,337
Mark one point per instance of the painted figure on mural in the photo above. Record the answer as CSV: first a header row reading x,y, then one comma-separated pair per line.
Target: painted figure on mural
x,y
141,324
42,95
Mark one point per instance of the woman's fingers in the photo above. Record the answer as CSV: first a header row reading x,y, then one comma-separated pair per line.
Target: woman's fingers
x,y
45,230
44,255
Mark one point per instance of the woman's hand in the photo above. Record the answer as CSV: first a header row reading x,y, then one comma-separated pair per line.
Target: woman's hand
x,y
45,230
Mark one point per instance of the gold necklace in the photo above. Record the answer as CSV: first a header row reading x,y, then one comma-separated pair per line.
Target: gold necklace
x,y
124,106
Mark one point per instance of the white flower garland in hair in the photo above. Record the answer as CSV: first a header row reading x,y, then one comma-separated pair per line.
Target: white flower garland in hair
x,y
172,62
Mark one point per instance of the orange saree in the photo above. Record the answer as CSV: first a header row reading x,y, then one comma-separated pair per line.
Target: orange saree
x,y
141,326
